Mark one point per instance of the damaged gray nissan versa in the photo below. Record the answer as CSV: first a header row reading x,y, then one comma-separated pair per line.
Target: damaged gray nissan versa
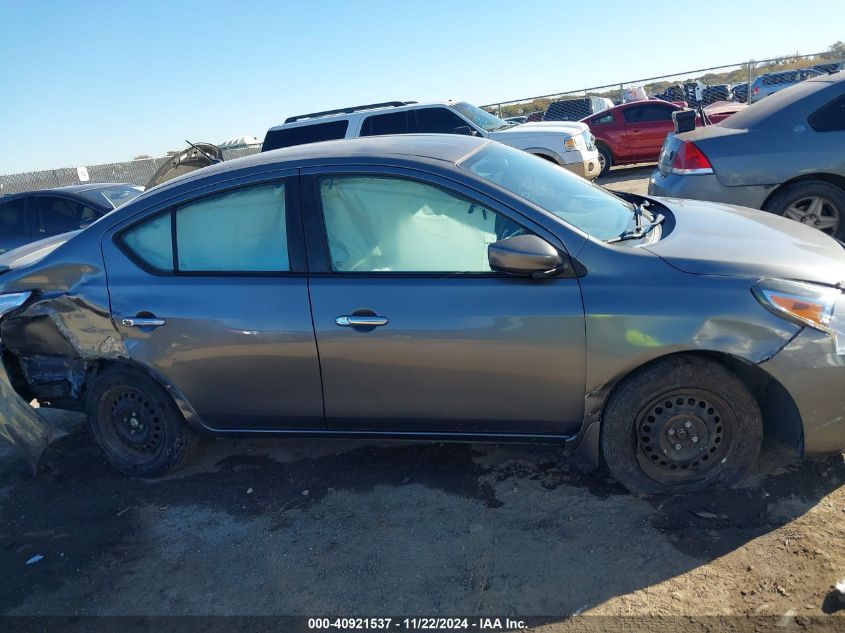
x,y
430,287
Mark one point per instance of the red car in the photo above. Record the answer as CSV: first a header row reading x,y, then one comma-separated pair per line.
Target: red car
x,y
634,132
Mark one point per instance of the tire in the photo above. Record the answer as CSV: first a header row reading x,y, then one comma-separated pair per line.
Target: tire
x,y
605,159
796,201
136,423
682,401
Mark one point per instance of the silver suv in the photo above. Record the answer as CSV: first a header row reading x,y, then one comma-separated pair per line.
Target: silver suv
x,y
770,83
569,144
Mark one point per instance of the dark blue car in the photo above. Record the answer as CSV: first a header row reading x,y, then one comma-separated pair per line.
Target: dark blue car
x,y
33,215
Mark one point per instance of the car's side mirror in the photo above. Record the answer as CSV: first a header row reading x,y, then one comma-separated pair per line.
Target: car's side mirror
x,y
464,129
525,255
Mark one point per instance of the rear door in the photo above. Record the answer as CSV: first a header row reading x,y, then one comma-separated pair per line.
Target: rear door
x,y
210,293
646,127
416,334
56,214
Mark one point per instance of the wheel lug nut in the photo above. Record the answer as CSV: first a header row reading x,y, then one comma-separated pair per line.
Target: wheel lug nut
x,y
694,438
687,424
677,447
671,431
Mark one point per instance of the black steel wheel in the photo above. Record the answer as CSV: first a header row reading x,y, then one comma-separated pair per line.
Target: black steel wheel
x,y
136,423
683,435
681,424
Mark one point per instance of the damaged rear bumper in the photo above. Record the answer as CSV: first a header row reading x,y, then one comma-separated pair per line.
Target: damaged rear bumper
x,y
21,424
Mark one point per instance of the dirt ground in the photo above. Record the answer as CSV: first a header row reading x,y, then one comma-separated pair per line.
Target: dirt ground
x,y
317,527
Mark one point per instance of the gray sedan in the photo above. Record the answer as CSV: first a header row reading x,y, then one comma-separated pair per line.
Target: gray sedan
x,y
785,155
430,287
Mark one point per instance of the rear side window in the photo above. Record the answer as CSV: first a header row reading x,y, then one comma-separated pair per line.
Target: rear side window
x,y
59,215
13,217
831,117
300,135
601,120
391,123
239,231
646,113
438,121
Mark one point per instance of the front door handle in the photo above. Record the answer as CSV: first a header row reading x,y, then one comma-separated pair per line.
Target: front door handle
x,y
142,322
356,320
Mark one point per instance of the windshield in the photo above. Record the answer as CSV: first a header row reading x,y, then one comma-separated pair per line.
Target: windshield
x,y
113,197
569,197
482,118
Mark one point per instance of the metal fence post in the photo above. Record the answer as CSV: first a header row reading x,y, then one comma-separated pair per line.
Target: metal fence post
x,y
748,90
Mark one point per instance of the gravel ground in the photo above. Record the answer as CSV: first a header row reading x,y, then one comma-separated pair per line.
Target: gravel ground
x,y
312,527
308,527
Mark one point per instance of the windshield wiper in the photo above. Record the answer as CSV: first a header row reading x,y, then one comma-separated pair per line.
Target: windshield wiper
x,y
640,230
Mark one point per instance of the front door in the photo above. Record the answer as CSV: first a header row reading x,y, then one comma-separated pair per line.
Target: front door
x,y
646,127
415,332
222,314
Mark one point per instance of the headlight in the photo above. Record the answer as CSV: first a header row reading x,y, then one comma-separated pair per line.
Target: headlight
x,y
572,142
819,307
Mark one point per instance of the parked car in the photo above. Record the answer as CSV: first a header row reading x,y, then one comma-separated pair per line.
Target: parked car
x,y
565,143
770,83
634,132
34,215
691,91
716,92
739,92
830,67
674,92
576,109
783,155
430,287
516,119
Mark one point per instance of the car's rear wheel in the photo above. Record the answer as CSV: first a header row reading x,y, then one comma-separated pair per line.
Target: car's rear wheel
x,y
816,203
136,423
683,424
605,159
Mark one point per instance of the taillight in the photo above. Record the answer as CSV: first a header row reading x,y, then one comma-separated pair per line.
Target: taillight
x,y
755,90
689,160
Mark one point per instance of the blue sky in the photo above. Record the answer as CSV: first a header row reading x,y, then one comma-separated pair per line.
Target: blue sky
x,y
95,81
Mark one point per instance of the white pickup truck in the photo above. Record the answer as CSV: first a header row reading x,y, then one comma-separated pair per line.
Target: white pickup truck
x,y
567,143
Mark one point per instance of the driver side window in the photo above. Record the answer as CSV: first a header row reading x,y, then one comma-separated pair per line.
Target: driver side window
x,y
383,224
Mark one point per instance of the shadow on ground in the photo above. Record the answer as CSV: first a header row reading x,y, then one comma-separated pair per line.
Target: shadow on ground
x,y
342,527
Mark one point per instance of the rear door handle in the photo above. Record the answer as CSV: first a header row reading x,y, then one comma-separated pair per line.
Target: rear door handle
x,y
353,320
142,322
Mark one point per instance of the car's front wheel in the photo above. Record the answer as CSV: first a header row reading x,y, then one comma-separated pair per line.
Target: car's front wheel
x,y
816,203
136,423
682,424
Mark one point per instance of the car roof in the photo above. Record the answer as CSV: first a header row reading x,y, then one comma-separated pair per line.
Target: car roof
x,y
408,105
69,189
450,148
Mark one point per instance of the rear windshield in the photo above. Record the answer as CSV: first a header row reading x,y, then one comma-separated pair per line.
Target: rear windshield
x,y
299,135
758,113
113,197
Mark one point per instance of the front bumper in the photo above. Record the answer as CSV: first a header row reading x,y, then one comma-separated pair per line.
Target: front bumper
x,y
814,375
588,169
707,187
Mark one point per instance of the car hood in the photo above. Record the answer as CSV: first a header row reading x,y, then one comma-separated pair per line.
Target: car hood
x,y
34,251
721,239
568,128
197,156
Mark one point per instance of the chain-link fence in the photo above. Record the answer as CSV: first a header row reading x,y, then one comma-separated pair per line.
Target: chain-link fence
x,y
703,86
136,172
